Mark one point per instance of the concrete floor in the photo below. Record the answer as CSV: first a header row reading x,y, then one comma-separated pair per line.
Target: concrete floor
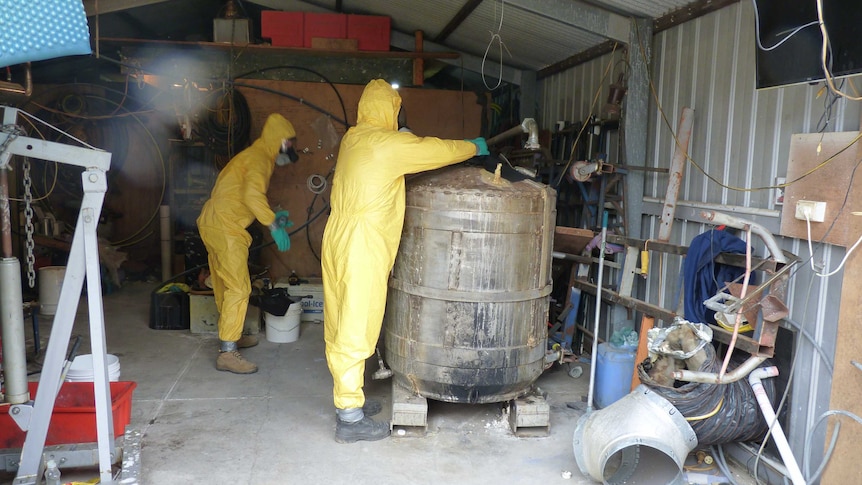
x,y
277,426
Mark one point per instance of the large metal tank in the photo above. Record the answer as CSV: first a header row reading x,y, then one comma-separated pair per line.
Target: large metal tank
x,y
467,308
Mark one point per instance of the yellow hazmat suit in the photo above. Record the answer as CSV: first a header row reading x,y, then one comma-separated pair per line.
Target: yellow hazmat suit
x,y
364,229
238,198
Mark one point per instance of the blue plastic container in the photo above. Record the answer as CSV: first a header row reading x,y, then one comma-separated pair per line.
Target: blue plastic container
x,y
614,368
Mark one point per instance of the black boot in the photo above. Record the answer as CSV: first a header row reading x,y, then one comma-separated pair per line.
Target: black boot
x,y
365,429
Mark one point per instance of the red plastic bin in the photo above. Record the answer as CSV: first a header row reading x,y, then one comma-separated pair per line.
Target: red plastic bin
x,y
74,418
324,25
372,31
284,29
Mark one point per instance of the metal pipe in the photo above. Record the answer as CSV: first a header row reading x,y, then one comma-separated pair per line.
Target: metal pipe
x,y
732,221
751,211
529,125
712,378
26,90
165,229
12,320
777,433
595,349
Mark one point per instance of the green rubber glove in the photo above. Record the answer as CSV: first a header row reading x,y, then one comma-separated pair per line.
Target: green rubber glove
x,y
281,238
278,230
481,146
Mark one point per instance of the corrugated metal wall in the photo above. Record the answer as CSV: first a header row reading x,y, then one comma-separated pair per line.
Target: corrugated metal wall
x,y
741,137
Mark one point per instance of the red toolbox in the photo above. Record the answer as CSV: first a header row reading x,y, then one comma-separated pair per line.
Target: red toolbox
x,y
372,31
284,29
74,418
324,25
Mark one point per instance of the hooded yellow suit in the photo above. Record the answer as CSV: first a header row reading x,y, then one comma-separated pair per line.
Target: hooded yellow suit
x,y
364,229
238,198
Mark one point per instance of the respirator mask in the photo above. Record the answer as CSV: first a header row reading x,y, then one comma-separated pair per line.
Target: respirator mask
x,y
287,154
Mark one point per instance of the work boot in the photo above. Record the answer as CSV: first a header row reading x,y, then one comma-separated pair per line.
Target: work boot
x,y
232,361
247,341
365,429
372,407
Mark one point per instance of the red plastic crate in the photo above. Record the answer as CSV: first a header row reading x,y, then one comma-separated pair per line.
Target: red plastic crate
x,y
372,31
284,29
324,25
74,418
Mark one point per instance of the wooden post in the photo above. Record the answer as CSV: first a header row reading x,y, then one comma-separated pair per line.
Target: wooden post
x,y
418,62
677,167
646,324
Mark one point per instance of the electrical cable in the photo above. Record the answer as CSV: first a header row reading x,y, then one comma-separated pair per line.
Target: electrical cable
x,y
784,39
820,419
495,36
718,455
824,55
811,252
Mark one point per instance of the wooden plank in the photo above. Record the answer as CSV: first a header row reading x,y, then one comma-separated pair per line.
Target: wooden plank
x,y
647,323
571,240
828,184
334,44
844,468
633,303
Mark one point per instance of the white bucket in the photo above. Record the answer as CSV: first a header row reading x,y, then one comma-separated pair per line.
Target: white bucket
x,y
81,369
285,329
50,282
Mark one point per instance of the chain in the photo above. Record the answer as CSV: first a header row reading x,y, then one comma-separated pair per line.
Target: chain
x,y
28,225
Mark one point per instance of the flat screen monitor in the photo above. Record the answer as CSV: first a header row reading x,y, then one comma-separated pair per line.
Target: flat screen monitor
x,y
798,59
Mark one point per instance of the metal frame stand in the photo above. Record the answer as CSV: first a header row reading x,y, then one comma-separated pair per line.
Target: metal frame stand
x,y
34,416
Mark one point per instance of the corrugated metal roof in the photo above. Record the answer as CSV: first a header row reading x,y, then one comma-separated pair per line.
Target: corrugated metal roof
x,y
643,8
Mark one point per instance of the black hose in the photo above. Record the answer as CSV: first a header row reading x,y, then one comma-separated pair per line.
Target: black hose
x,y
738,417
226,137
300,68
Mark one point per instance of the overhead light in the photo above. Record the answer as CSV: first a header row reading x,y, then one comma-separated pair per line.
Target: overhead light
x,y
395,85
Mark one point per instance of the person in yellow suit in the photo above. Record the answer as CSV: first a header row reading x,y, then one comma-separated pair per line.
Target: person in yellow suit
x,y
237,200
361,239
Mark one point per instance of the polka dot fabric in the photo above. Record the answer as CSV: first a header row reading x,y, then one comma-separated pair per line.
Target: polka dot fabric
x,y
35,30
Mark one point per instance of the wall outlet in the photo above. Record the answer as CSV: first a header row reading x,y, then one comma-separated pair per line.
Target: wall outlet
x,y
815,210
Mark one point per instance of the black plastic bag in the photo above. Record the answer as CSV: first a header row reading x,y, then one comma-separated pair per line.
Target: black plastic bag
x,y
274,301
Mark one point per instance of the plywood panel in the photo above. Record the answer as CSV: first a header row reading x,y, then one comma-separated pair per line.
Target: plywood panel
x,y
844,466
446,114
831,182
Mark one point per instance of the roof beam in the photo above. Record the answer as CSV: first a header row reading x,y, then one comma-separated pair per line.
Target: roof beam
x,y
109,6
580,15
468,61
457,20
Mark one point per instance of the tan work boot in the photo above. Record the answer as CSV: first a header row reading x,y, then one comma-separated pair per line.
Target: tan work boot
x,y
247,341
232,361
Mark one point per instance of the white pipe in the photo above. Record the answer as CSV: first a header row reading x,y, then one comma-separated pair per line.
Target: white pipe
x,y
14,349
594,352
732,221
713,378
736,209
777,433
165,229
